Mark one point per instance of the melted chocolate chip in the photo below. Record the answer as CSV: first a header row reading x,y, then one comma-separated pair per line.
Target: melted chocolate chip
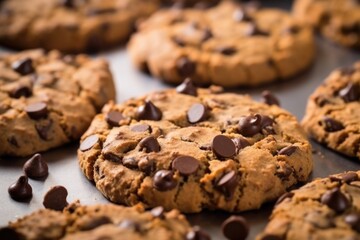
x,y
288,151
335,200
345,177
149,111
227,184
185,66
158,212
350,93
21,91
36,167
89,142
331,125
235,228
283,197
228,51
43,128
141,128
112,157
197,113
150,144
196,233
187,87
164,180
21,190
130,162
7,233
250,125
223,147
37,110
186,165
353,219
55,198
113,118
23,66
269,98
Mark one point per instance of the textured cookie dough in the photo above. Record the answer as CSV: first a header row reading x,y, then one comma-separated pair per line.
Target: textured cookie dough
x,y
70,25
333,112
49,99
326,208
229,45
210,151
101,222
338,20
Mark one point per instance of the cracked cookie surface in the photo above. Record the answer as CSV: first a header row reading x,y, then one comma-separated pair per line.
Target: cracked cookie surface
x,y
70,25
194,149
333,112
326,208
49,99
229,45
100,222
338,20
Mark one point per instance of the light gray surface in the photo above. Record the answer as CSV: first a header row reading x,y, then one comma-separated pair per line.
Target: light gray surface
x,y
130,83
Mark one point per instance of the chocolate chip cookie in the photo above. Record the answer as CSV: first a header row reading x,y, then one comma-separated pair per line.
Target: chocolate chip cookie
x,y
194,149
326,208
338,20
333,112
229,45
102,222
49,99
70,25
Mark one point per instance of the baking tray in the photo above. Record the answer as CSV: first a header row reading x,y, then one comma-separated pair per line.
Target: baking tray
x,y
63,166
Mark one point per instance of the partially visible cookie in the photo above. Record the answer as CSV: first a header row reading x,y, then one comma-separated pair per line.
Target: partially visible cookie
x,y
338,20
48,99
229,45
327,208
101,222
70,25
333,112
193,149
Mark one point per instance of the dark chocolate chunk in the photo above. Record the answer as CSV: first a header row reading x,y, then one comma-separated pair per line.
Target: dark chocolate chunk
x,y
113,118
55,198
283,197
227,184
235,228
89,142
21,190
43,128
196,233
228,51
187,87
186,67
269,98
21,91
250,125
36,167
335,200
141,128
223,147
164,180
331,125
197,113
158,212
149,111
7,233
150,144
350,93
288,151
37,110
186,165
345,177
353,219
94,222
23,66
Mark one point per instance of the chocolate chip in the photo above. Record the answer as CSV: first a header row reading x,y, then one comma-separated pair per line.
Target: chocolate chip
x,y
186,165
288,151
150,144
331,125
187,87
21,91
196,233
94,222
89,142
269,98
283,197
113,118
241,15
21,190
335,200
240,143
7,233
67,3
164,180
353,219
12,140
37,110
223,147
55,198
43,128
350,93
345,177
23,66
36,167
185,67
158,212
250,125
228,51
141,128
197,113
149,111
146,165
235,228
271,237
129,162
227,184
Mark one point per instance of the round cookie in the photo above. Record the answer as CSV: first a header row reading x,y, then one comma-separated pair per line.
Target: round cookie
x,y
326,208
48,99
101,222
229,45
194,149
338,20
333,112
70,25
